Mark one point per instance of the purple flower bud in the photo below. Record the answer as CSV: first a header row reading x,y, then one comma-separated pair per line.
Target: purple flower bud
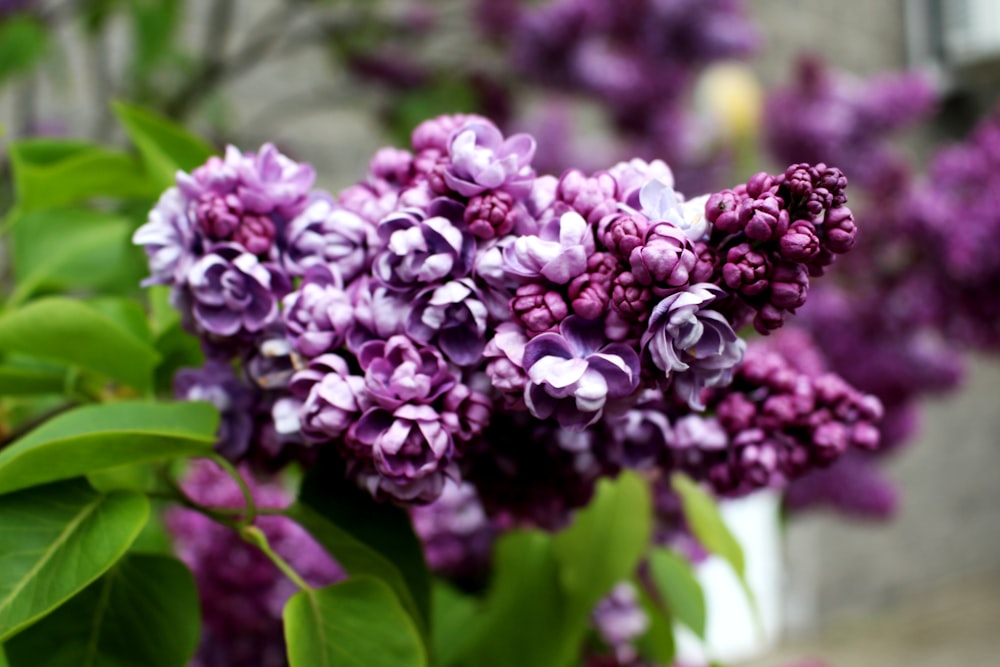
x,y
723,211
233,292
840,230
392,165
333,399
466,412
759,183
573,374
481,160
789,285
397,372
800,243
318,314
368,201
559,253
592,197
630,298
695,347
419,251
492,214
538,308
623,232
436,133
746,270
763,219
590,292
325,233
665,259
452,317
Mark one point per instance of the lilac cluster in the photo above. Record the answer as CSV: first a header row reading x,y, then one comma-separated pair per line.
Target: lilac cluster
x,y
456,317
242,592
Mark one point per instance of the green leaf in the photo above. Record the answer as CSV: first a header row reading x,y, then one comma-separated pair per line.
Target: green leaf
x,y
453,615
23,41
365,527
144,611
97,437
72,332
55,541
27,381
164,146
52,174
606,540
154,24
67,248
676,582
706,523
357,623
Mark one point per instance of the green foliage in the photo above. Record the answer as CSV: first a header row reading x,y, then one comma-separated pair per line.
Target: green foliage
x,y
98,437
31,379
358,623
606,541
163,146
144,611
52,173
69,331
64,249
55,541
680,590
452,613
23,41
706,523
365,536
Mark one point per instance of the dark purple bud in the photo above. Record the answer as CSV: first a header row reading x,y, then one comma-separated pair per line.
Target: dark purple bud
x,y
722,210
393,165
800,243
622,232
789,285
590,292
592,197
630,298
665,259
763,219
539,308
491,214
746,270
759,183
840,230
706,263
768,318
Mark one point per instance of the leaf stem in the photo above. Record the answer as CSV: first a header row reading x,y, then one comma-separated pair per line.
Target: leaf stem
x,y
251,510
256,537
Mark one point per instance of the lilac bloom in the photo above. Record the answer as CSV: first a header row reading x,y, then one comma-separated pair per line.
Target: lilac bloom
x,y
694,346
481,160
378,312
453,318
217,384
419,250
324,233
318,314
660,202
410,448
233,292
632,175
169,239
573,374
558,253
332,398
398,372
455,531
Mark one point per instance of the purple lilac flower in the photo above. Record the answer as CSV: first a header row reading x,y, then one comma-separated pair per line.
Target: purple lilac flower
x,y
232,292
620,620
558,253
457,535
242,593
452,317
694,346
436,133
575,373
378,313
410,449
216,383
326,234
640,437
397,372
318,314
853,485
481,160
592,197
169,239
332,398
420,250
